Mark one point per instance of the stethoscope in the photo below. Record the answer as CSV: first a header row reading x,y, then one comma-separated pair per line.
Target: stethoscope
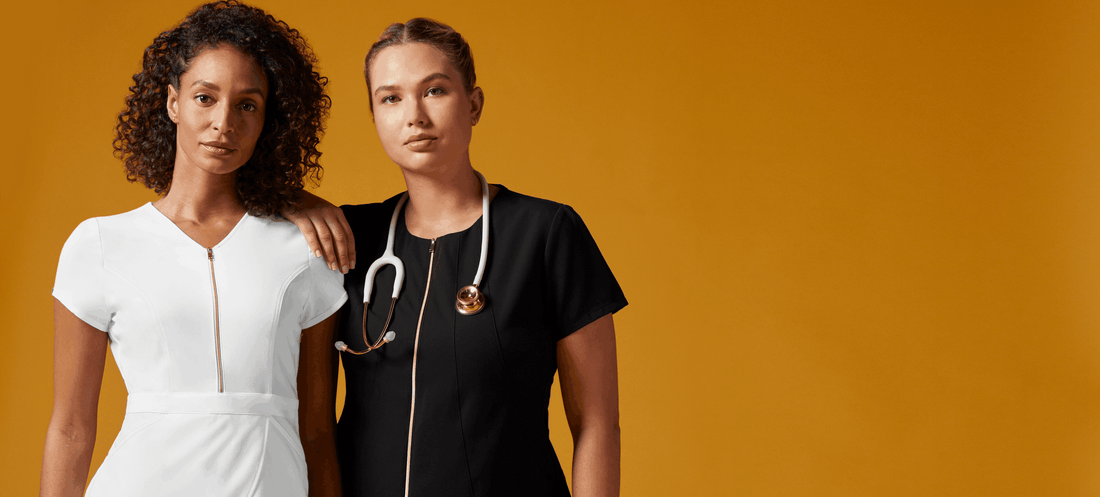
x,y
469,301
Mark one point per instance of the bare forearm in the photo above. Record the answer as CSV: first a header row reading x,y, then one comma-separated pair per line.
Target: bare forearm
x,y
596,461
65,461
321,465
79,354
317,372
590,391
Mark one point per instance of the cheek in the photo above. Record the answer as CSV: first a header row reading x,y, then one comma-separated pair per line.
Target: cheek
x,y
458,119
257,125
458,114
186,128
254,125
192,122
388,126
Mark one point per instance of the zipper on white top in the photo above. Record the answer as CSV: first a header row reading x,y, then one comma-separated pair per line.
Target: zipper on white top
x,y
416,348
217,331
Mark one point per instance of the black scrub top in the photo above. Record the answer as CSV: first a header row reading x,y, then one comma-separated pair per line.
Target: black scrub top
x,y
479,424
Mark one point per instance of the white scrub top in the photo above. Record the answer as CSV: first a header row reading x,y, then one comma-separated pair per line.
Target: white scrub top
x,y
207,341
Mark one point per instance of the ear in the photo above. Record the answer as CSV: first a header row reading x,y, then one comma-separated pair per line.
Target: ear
x,y
173,104
477,104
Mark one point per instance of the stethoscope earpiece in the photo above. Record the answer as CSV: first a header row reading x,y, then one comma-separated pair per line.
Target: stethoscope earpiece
x,y
470,301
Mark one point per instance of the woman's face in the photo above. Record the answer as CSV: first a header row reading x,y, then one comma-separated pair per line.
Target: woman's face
x,y
423,115
218,110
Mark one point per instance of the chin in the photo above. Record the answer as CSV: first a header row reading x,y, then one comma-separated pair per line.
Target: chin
x,y
417,163
427,162
222,168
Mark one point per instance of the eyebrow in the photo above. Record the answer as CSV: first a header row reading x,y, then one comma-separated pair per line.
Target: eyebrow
x,y
431,77
213,86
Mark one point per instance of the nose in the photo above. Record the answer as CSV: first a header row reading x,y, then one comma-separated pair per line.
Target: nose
x,y
416,115
222,118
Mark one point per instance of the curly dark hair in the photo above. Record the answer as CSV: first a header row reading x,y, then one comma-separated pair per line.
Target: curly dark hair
x,y
286,151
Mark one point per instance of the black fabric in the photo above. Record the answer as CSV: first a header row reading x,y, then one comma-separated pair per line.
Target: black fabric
x,y
482,381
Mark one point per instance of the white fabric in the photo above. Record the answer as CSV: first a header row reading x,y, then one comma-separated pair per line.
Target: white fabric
x,y
141,279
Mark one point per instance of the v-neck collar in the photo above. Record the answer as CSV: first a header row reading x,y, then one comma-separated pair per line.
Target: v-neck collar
x,y
158,214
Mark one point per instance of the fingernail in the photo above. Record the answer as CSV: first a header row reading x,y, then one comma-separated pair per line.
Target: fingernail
x,y
332,267
317,253
345,268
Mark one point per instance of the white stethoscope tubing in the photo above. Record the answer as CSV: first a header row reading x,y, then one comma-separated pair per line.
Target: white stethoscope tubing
x,y
387,258
470,299
484,229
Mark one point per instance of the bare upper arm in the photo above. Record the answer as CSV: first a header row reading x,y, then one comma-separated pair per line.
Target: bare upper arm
x,y
317,371
588,372
79,355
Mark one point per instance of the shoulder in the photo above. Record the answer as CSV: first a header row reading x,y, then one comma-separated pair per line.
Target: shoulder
x,y
276,226
524,212
526,203
84,243
277,243
360,214
84,249
112,226
369,223
526,209
277,237
139,215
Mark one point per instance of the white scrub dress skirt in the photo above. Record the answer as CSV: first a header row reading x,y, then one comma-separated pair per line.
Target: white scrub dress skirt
x,y
209,444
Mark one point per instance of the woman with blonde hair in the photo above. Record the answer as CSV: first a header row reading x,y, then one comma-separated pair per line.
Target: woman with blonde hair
x,y
481,294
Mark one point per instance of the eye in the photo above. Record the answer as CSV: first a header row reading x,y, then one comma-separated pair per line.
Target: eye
x,y
203,99
435,90
389,99
248,107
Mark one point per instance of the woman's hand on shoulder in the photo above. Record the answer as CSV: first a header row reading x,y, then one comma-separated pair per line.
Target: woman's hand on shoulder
x,y
326,230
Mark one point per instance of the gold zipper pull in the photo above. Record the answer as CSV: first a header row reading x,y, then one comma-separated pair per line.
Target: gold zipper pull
x,y
431,249
210,253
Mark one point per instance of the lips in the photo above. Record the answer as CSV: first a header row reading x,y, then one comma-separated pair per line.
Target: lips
x,y
218,148
420,137
420,142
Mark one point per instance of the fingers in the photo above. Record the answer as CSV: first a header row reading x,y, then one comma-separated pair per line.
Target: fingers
x,y
305,225
326,237
340,243
326,231
350,236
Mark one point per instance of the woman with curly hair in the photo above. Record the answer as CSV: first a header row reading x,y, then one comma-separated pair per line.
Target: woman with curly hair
x,y
216,312
494,291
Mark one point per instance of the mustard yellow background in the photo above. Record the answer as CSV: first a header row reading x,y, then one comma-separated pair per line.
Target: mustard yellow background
x,y
860,239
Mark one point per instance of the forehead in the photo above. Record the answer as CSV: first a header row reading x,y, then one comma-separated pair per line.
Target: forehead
x,y
226,67
409,62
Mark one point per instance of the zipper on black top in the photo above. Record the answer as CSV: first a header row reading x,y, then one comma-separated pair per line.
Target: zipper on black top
x,y
416,349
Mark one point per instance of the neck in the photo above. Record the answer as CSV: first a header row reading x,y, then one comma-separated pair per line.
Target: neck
x,y
442,203
201,197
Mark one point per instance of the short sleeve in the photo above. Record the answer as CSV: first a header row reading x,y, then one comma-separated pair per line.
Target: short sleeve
x,y
78,284
326,292
582,288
